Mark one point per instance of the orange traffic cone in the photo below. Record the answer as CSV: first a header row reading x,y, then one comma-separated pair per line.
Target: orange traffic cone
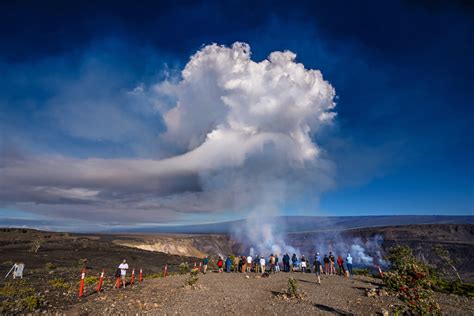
x,y
81,284
100,281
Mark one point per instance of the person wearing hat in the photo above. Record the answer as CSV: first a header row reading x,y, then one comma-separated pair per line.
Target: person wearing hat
x,y
318,267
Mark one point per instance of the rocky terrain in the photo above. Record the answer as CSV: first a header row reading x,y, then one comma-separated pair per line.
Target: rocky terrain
x,y
54,262
251,294
458,239
53,272
193,245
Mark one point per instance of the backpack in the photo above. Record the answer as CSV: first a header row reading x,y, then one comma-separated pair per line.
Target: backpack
x,y
118,273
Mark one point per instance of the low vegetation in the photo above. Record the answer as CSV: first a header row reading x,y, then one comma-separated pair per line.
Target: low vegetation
x,y
183,268
192,279
293,290
91,280
18,295
59,283
409,279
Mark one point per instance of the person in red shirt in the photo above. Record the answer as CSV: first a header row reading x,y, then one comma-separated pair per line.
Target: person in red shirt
x,y
340,263
220,263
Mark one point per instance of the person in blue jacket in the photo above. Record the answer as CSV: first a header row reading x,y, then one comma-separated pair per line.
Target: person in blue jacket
x,y
228,264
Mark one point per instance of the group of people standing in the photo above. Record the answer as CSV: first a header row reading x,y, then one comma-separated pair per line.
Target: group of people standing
x,y
257,264
328,264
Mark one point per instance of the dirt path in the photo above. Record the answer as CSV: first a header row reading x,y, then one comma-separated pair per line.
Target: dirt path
x,y
234,293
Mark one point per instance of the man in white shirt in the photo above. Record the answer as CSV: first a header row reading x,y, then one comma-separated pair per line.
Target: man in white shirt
x,y
249,263
123,271
262,264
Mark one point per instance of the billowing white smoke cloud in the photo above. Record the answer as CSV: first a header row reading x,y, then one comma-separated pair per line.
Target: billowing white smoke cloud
x,y
242,132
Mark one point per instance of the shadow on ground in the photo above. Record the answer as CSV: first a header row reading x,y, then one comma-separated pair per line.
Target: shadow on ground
x,y
332,310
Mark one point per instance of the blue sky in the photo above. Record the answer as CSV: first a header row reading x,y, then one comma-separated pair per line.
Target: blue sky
x,y
401,142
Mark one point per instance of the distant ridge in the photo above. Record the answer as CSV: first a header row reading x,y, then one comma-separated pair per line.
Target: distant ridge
x,y
307,223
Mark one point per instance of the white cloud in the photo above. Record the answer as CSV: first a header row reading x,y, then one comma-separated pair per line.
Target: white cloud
x,y
243,129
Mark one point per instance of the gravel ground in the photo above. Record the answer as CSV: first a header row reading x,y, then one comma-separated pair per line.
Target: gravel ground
x,y
235,293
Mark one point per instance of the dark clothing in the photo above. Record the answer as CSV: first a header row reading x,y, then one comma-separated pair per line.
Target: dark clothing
x,y
286,263
205,261
317,267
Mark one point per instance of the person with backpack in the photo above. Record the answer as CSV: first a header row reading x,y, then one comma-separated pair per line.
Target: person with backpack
x,y
340,263
317,267
349,263
205,262
326,264
220,263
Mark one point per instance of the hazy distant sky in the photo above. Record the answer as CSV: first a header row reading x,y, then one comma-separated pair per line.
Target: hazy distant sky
x,y
100,125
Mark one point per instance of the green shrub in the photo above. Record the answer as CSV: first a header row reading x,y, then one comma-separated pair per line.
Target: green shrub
x,y
192,279
452,287
15,288
59,283
18,295
293,290
32,302
183,268
409,279
91,280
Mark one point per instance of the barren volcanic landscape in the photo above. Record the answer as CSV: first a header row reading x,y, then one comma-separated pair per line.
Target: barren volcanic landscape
x,y
52,273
